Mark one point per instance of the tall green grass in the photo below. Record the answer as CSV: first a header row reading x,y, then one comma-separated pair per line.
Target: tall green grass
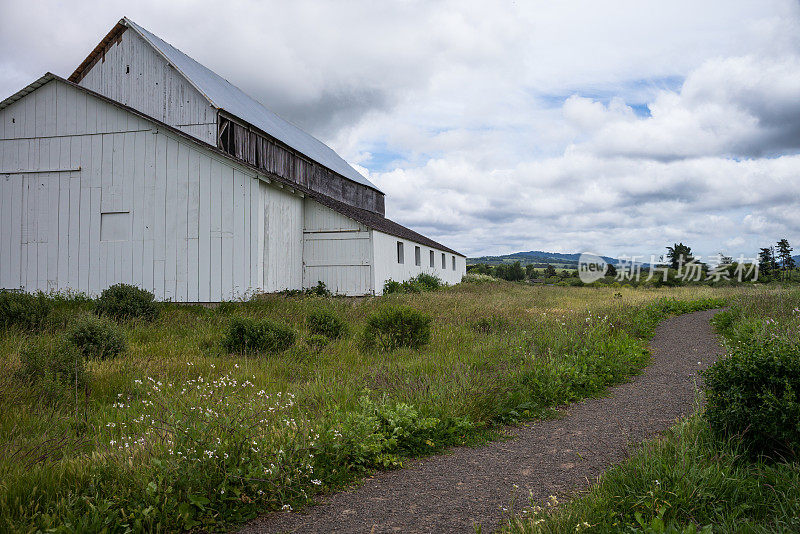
x,y
177,433
689,480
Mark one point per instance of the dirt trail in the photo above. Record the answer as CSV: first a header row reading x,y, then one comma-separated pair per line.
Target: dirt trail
x,y
471,485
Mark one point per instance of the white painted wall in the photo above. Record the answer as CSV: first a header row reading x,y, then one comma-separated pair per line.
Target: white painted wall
x,y
387,266
337,251
283,241
92,195
134,74
180,221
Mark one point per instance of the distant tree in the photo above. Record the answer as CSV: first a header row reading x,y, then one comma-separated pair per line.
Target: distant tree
x,y
530,271
564,274
611,270
785,257
550,271
679,254
516,272
479,268
766,261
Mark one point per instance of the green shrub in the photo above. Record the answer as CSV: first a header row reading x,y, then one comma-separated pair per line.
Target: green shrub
x,y
380,434
96,337
319,290
53,362
326,324
246,335
754,394
427,282
395,327
391,286
124,301
416,284
23,310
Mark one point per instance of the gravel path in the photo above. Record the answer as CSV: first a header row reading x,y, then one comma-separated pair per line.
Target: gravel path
x,y
453,492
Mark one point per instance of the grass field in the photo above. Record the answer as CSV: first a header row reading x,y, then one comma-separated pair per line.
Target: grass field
x,y
176,433
690,480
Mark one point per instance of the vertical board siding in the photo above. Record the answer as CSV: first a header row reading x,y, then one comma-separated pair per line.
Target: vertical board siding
x,y
283,240
196,221
337,251
133,73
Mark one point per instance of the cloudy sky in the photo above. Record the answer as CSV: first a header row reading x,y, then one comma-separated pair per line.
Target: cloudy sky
x,y
616,127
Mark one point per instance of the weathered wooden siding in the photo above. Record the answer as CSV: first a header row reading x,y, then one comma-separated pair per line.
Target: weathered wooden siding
x,y
264,152
337,251
147,207
133,73
387,266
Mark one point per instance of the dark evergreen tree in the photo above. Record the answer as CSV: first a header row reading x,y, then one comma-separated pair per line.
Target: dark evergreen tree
x,y
766,261
679,254
785,257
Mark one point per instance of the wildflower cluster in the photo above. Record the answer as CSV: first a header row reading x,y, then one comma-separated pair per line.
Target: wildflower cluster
x,y
217,432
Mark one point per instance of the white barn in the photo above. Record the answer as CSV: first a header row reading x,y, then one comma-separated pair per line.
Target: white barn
x,y
147,168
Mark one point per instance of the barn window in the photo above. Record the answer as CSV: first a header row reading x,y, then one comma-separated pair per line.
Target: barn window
x,y
444,261
399,252
417,256
433,261
225,136
454,263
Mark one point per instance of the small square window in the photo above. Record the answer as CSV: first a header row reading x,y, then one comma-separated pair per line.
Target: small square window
x,y
444,261
417,256
433,260
454,263
399,252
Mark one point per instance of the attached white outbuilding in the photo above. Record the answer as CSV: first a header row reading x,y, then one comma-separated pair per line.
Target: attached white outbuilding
x,y
147,168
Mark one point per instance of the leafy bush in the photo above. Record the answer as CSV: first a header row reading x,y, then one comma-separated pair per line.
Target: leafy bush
x,y
23,310
416,284
124,301
326,324
755,394
395,327
392,286
380,434
251,336
477,278
428,282
52,362
319,290
96,337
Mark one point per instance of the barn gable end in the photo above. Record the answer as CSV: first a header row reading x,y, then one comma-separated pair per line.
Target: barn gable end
x,y
139,69
131,72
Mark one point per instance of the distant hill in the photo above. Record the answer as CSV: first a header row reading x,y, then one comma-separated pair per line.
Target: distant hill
x,y
556,259
536,257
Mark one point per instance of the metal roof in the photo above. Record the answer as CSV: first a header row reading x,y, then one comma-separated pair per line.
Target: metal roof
x,y
225,96
26,90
